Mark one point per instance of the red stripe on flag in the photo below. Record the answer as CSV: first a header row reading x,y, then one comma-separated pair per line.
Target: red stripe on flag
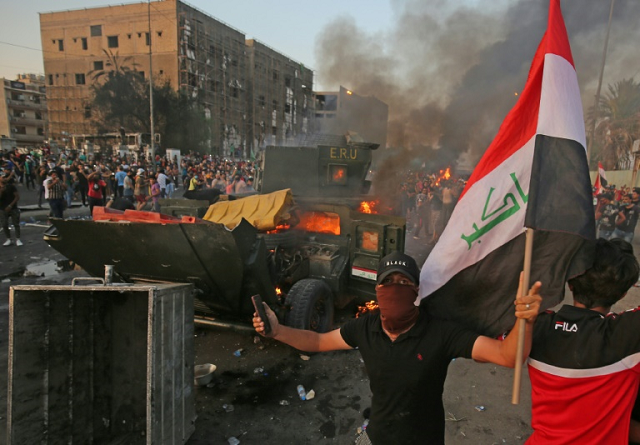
x,y
518,127
558,42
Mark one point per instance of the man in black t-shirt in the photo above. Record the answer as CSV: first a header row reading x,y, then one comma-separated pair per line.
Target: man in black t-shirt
x,y
626,220
9,210
406,353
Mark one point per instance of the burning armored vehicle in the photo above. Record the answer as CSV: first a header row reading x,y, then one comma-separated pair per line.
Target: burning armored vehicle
x,y
302,243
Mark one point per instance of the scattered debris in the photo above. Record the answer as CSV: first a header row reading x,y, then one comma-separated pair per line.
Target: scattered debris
x,y
452,418
304,357
227,408
233,441
284,403
238,353
311,394
480,408
259,370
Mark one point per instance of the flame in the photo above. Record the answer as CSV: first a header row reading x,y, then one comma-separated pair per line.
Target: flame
x,y
444,174
278,291
338,174
368,307
320,222
369,206
279,228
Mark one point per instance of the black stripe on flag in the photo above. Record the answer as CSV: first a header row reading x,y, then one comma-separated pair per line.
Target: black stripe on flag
x,y
475,297
560,197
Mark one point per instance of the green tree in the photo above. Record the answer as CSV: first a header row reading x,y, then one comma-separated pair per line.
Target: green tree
x,y
618,124
121,99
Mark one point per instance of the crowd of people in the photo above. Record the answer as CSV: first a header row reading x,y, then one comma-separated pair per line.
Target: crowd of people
x,y
617,212
120,181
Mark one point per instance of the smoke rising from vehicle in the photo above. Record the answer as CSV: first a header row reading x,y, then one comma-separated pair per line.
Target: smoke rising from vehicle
x,y
450,71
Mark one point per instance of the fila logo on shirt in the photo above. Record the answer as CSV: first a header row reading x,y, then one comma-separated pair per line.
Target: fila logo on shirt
x,y
566,326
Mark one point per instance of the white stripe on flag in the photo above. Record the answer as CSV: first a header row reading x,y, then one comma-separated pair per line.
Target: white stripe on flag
x,y
560,113
462,243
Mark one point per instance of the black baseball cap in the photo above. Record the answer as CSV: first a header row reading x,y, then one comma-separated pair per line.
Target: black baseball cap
x,y
398,262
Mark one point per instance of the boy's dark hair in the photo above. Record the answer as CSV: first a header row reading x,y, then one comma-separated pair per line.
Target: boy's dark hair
x,y
615,269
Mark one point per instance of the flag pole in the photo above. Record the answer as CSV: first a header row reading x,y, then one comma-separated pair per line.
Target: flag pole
x,y
522,324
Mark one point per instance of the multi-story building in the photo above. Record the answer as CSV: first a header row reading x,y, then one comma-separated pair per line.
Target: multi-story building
x,y
245,88
23,115
339,112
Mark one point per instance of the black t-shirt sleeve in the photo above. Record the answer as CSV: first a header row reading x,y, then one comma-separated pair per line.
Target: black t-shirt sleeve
x,y
457,340
350,329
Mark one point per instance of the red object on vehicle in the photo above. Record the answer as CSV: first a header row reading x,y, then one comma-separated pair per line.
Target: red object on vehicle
x,y
107,214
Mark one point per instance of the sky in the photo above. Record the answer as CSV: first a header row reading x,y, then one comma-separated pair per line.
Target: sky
x,y
449,70
289,26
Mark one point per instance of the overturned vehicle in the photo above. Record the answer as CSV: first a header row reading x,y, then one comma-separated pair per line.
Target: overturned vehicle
x,y
302,243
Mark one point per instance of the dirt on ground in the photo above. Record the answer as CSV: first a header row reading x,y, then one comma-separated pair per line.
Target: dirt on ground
x,y
253,396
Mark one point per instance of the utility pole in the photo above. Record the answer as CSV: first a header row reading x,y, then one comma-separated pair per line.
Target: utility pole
x,y
153,136
597,102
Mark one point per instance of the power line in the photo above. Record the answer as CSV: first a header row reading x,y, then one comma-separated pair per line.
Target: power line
x,y
21,46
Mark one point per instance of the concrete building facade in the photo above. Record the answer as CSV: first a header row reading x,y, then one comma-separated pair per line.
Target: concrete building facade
x,y
23,115
339,112
199,55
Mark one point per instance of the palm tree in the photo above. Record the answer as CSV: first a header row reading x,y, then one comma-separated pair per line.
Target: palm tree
x,y
618,124
119,95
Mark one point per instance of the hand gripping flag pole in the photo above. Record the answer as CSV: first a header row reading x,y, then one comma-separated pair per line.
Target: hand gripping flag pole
x,y
533,176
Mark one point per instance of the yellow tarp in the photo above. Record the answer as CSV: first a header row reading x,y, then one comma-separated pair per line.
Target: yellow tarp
x,y
264,212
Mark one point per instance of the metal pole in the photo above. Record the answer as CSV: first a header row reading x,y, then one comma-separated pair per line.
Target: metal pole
x,y
153,142
597,101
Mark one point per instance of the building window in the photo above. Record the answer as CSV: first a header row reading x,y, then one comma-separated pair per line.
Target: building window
x,y
20,130
275,105
234,91
60,45
287,108
287,81
141,74
80,79
261,101
274,131
147,38
96,30
112,41
40,131
98,65
50,79
38,115
85,45
275,75
87,111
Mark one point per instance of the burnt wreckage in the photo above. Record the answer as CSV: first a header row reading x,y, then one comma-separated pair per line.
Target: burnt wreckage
x,y
307,250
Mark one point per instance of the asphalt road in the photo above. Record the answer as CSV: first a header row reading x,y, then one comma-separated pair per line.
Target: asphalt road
x,y
253,396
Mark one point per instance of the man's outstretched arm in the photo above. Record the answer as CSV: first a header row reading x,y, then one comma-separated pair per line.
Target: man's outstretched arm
x,y
301,339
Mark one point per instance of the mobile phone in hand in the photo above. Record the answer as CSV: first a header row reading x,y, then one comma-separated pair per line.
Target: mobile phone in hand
x,y
262,313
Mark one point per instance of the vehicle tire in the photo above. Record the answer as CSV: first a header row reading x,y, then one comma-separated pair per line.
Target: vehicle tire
x,y
285,239
311,303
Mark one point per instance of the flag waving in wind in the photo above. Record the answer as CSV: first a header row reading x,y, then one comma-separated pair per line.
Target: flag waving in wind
x,y
601,180
534,174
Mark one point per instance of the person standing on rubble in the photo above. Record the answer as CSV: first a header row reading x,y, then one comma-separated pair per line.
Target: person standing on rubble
x,y
407,352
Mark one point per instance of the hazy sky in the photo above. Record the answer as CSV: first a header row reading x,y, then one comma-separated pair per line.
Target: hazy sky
x,y
288,26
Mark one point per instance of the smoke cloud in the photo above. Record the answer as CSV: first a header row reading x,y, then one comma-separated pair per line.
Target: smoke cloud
x,y
450,71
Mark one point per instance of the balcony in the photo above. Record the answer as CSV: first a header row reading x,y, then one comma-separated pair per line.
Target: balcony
x,y
29,138
26,104
26,121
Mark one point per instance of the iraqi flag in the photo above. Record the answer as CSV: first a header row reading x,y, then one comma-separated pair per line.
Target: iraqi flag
x,y
601,180
534,174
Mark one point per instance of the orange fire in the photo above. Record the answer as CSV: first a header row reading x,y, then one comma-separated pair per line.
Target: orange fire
x,y
444,174
320,222
338,174
369,206
278,291
279,228
368,307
